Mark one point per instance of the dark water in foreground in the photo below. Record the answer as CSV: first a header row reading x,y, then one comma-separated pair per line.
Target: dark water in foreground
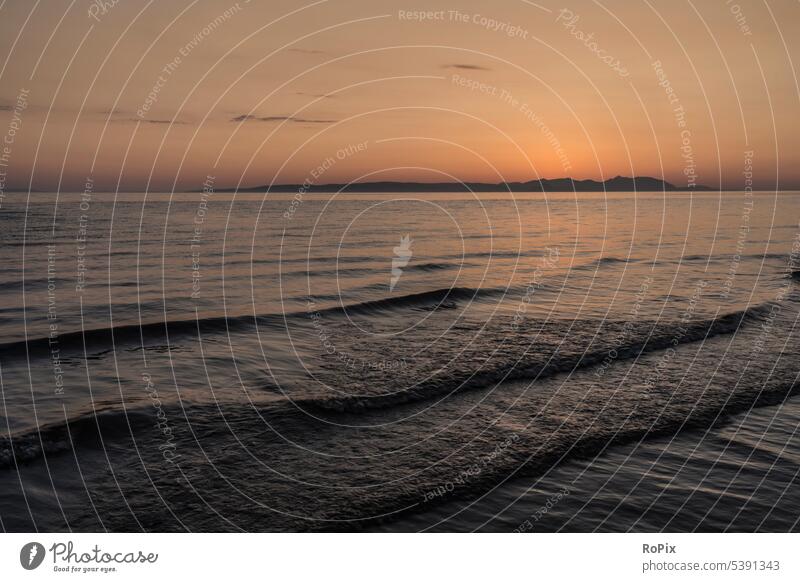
x,y
571,362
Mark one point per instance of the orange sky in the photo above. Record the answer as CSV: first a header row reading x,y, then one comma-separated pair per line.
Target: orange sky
x,y
251,92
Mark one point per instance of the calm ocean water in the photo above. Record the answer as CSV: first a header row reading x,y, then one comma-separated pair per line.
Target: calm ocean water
x,y
399,362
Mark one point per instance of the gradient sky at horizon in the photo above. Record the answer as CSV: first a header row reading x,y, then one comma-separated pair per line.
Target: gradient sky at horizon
x,y
269,92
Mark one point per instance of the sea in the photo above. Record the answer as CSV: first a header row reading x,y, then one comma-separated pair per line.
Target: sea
x,y
510,362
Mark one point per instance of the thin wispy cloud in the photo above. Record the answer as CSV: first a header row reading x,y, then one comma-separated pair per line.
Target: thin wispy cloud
x,y
121,116
316,95
307,51
466,67
150,121
162,121
276,118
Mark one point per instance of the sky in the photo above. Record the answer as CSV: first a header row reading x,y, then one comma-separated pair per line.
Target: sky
x,y
137,95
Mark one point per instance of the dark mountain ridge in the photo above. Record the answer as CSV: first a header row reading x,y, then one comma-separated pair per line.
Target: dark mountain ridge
x,y
617,184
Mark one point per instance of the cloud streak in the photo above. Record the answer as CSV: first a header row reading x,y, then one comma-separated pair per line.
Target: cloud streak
x,y
276,118
150,121
121,116
318,95
162,121
465,67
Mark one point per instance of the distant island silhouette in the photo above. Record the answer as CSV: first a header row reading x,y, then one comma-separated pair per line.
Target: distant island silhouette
x,y
617,184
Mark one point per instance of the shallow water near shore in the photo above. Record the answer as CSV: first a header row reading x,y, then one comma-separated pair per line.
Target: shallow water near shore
x,y
399,362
